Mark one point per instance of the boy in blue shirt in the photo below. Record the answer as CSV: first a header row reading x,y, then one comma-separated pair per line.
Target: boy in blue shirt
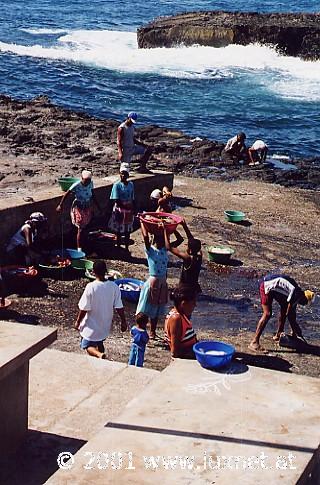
x,y
140,339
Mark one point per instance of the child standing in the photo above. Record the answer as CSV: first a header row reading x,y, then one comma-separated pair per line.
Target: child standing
x,y
140,339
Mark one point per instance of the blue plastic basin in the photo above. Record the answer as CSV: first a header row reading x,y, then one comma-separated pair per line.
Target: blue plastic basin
x,y
69,253
130,295
208,361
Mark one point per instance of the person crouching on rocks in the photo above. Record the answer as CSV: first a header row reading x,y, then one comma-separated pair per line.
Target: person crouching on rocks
x,y
258,152
22,247
82,206
180,335
235,150
140,338
286,291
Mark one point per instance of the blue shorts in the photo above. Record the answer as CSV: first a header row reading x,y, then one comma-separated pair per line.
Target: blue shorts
x,y
84,344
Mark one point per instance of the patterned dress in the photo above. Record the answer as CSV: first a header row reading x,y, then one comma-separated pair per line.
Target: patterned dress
x,y
81,209
121,220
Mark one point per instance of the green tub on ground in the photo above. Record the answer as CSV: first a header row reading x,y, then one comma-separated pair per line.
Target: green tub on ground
x,y
234,216
220,254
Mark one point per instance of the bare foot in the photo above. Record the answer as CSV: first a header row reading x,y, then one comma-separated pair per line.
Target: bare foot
x,y
276,337
256,348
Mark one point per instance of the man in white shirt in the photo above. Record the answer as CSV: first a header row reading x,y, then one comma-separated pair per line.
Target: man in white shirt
x,y
96,306
258,152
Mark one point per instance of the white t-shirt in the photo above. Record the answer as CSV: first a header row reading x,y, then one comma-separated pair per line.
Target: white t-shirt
x,y
258,145
99,299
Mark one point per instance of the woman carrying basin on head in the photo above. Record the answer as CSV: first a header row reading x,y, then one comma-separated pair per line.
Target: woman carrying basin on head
x,y
82,206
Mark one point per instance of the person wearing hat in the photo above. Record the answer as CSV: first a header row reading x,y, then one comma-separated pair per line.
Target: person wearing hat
x,y
235,149
286,291
22,248
82,205
257,152
122,196
129,145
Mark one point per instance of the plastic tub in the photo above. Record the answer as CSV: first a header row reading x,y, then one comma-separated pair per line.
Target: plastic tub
x,y
68,253
66,182
220,254
20,271
111,274
133,294
152,220
234,216
212,354
81,264
7,303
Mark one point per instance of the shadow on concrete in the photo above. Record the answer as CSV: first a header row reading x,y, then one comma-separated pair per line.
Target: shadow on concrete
x,y
211,437
265,361
235,367
18,317
36,460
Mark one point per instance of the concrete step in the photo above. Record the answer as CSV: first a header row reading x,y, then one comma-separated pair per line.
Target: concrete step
x,y
74,395
244,425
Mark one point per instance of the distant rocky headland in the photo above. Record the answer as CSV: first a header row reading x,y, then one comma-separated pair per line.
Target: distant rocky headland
x,y
40,142
293,34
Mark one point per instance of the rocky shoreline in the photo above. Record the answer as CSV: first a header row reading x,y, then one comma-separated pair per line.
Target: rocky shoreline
x,y
40,142
293,34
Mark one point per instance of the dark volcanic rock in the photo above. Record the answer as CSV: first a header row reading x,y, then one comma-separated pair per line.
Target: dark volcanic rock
x,y
43,142
293,34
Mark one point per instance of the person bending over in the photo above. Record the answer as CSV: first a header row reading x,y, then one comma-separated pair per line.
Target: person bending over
x,y
286,291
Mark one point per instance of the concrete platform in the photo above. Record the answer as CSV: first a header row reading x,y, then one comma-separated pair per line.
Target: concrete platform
x,y
75,395
18,344
247,426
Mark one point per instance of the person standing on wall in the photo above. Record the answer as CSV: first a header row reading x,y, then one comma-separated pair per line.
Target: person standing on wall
x,y
129,145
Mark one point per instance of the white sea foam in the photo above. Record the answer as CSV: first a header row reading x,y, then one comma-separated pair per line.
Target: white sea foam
x,y
285,76
44,31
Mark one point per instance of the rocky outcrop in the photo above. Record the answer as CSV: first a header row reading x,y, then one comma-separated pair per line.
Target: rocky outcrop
x,y
40,142
293,34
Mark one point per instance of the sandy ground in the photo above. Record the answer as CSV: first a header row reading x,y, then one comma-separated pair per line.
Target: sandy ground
x,y
280,233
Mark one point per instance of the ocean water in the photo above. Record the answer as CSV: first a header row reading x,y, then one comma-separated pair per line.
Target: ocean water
x,y
84,56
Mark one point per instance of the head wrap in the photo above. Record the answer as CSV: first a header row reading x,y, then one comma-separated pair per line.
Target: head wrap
x,y
310,296
124,167
155,194
37,217
86,174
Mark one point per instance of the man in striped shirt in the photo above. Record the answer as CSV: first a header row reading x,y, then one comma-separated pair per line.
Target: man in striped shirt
x,y
286,291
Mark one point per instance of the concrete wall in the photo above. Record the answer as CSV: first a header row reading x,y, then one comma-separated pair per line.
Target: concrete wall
x,y
14,211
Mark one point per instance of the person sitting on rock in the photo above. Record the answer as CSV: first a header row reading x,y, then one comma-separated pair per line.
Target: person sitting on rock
x,y
286,291
129,145
257,152
235,150
22,248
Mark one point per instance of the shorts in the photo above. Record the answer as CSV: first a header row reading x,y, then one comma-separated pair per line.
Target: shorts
x,y
128,154
84,344
265,298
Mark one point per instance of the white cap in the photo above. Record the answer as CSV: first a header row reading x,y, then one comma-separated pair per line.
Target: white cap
x,y
156,194
124,167
86,174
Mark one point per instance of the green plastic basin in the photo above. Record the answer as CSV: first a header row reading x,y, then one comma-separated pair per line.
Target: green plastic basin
x,y
82,264
234,216
66,182
220,254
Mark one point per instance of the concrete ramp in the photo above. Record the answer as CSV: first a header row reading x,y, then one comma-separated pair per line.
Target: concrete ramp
x,y
193,426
